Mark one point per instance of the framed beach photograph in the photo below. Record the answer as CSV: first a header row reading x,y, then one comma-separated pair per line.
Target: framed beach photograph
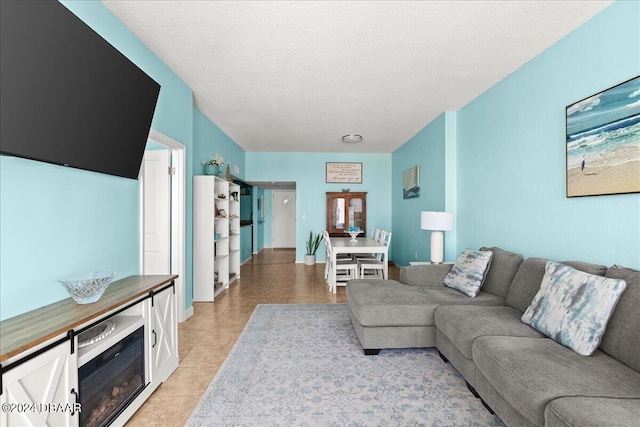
x,y
603,142
411,183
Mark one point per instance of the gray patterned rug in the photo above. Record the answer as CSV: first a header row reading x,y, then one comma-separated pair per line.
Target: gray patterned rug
x,y
302,365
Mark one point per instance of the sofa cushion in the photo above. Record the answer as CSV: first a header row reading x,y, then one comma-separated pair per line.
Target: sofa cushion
x,y
390,303
425,275
527,281
622,339
592,412
573,307
469,271
463,324
531,372
504,266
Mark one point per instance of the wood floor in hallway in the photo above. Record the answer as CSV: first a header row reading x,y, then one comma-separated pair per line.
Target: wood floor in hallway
x,y
205,339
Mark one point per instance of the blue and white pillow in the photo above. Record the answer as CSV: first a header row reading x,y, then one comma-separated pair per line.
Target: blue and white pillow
x,y
468,273
573,307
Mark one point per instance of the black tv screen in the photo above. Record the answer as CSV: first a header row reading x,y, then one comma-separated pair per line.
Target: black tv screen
x,y
68,97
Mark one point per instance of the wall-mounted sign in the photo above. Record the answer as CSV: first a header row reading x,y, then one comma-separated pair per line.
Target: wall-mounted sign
x,y
340,172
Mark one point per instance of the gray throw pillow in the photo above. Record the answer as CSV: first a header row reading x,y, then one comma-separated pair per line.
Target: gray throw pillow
x,y
469,271
573,307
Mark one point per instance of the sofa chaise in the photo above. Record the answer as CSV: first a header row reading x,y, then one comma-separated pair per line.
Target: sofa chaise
x,y
527,378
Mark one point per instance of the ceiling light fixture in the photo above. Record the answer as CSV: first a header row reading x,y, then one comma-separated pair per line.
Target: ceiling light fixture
x,y
352,138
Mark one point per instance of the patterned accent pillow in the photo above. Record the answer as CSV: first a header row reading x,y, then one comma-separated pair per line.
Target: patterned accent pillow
x,y
573,307
469,271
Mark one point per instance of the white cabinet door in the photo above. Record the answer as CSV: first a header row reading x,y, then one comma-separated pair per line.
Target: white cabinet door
x,y
42,391
164,336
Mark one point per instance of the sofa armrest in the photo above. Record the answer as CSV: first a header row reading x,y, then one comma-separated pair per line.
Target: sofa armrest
x,y
424,275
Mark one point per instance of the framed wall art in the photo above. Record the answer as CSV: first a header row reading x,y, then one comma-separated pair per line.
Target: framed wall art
x,y
344,173
603,142
411,183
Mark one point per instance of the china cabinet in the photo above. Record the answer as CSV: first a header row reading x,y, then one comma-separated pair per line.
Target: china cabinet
x,y
345,209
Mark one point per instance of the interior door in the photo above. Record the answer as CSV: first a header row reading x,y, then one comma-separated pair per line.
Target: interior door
x,y
157,212
284,219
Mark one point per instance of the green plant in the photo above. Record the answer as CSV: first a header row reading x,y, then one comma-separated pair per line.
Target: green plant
x,y
313,243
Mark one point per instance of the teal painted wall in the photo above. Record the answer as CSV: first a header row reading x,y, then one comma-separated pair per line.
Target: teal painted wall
x,y
268,213
245,243
56,221
426,150
511,152
209,139
308,171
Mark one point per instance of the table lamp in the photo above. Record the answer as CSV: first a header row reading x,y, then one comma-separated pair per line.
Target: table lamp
x,y
437,222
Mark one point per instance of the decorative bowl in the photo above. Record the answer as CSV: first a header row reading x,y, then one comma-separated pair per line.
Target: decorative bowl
x,y
86,288
354,234
346,189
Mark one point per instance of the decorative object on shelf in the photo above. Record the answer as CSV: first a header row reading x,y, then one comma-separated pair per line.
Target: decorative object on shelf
x,y
437,222
212,166
353,232
228,174
96,334
411,183
222,213
345,189
86,288
344,173
603,142
222,196
312,246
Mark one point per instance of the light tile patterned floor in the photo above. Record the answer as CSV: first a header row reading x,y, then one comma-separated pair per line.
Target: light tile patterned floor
x,y
205,339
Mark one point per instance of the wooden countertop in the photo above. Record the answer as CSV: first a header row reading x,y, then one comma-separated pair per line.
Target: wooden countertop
x,y
30,329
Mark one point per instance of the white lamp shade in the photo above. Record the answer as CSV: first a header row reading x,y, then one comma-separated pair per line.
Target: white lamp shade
x,y
438,221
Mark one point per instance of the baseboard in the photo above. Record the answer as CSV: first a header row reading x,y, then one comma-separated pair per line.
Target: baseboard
x,y
188,313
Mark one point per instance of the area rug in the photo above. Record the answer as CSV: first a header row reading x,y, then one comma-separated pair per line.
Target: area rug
x,y
302,365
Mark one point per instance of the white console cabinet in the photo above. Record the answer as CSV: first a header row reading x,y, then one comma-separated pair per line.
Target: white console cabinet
x,y
42,365
49,378
163,339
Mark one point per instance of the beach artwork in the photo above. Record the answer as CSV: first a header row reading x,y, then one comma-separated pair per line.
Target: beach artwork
x,y
411,183
603,142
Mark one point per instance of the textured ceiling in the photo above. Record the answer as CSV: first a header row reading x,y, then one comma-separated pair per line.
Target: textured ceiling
x,y
298,75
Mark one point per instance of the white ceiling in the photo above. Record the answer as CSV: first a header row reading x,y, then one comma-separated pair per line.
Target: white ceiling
x,y
298,75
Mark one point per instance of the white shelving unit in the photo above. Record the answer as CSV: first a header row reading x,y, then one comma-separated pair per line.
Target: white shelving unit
x,y
216,236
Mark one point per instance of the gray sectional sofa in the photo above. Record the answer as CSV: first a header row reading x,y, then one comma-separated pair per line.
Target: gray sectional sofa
x,y
525,377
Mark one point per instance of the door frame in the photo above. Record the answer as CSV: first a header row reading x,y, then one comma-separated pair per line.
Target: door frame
x,y
178,227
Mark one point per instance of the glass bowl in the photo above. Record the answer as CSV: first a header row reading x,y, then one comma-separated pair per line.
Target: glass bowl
x,y
86,288
353,235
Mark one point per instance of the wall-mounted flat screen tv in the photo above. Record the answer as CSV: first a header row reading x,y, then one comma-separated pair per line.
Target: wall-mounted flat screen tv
x,y
69,97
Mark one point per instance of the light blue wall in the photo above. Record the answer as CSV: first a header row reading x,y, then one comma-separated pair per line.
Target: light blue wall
x,y
56,221
268,213
245,243
209,139
511,152
427,149
308,171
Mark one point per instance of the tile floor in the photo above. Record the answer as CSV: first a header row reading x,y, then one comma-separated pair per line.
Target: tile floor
x,y
205,339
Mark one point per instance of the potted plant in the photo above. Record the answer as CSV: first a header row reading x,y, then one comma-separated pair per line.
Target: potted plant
x,y
312,246
212,166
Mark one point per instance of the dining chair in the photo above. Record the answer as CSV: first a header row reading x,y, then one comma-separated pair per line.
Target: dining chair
x,y
346,269
376,234
375,267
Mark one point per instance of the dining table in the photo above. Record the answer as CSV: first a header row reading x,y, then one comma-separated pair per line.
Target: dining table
x,y
361,245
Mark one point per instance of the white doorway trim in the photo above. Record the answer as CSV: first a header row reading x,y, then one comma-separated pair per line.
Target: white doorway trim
x,y
178,204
